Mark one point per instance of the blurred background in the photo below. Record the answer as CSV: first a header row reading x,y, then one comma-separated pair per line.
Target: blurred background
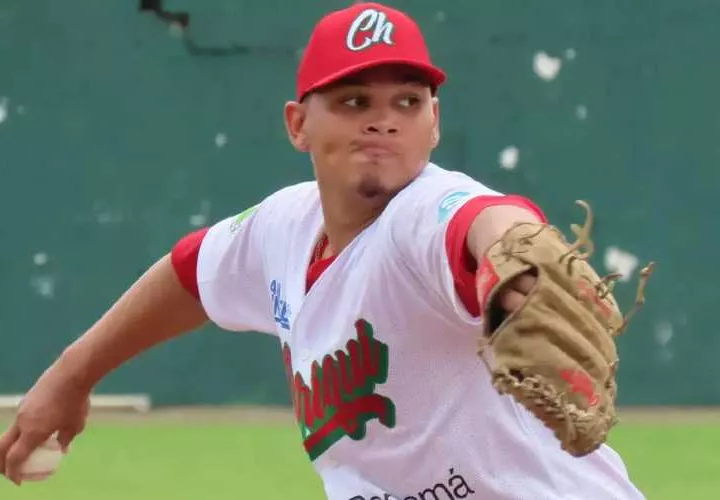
x,y
125,124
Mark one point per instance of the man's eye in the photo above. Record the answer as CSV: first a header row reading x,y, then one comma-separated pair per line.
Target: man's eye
x,y
355,102
409,101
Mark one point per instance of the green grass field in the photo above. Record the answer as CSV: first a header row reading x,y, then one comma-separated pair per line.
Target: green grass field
x,y
152,458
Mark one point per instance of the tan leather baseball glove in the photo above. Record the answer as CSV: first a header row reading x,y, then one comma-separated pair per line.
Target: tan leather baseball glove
x,y
556,354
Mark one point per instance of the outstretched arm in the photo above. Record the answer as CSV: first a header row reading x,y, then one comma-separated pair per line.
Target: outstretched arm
x,y
154,309
205,277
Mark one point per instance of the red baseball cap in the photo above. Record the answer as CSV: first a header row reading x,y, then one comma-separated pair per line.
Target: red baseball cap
x,y
362,36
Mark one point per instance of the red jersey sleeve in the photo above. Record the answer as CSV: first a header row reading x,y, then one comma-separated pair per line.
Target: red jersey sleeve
x,y
184,257
462,263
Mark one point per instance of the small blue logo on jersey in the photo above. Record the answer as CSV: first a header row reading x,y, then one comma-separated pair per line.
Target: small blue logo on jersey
x,y
449,203
281,309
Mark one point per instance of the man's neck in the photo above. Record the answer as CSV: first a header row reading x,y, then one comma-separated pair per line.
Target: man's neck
x,y
346,219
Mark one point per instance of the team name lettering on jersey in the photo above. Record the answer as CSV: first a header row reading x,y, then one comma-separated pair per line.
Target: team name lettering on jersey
x,y
341,397
456,488
281,309
373,22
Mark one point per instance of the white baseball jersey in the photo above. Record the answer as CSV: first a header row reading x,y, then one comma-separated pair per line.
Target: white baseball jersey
x,y
390,396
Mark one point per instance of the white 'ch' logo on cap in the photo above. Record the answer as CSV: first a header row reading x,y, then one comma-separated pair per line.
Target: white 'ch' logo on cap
x,y
373,22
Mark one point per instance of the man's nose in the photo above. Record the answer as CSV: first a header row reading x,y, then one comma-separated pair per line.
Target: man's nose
x,y
380,128
382,123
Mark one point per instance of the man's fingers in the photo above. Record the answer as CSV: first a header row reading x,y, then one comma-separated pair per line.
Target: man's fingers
x,y
511,300
66,436
20,451
6,441
524,283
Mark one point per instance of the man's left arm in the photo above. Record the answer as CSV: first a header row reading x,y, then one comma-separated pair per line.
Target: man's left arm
x,y
442,232
472,230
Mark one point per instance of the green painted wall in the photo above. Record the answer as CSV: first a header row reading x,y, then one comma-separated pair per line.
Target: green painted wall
x,y
115,139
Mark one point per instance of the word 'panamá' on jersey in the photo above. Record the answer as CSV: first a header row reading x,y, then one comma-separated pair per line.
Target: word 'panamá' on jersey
x,y
340,398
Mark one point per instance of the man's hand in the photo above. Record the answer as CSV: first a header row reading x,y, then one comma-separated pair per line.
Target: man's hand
x,y
54,404
487,228
556,355
513,294
155,309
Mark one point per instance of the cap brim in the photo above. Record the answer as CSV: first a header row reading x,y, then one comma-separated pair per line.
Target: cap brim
x,y
435,76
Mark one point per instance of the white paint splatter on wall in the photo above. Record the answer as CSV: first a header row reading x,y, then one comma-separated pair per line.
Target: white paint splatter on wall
x,y
40,259
201,218
663,336
197,220
221,140
620,261
663,332
176,30
581,112
509,157
546,66
4,104
44,286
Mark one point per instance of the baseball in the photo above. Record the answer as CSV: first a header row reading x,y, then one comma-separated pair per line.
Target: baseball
x,y
42,462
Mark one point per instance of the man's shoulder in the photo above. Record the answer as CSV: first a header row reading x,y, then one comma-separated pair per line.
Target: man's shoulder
x,y
289,208
436,185
299,192
292,198
438,179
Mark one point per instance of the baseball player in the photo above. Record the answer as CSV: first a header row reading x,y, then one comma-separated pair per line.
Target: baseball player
x,y
441,339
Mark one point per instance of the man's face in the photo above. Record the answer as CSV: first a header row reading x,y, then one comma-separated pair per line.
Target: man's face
x,y
368,135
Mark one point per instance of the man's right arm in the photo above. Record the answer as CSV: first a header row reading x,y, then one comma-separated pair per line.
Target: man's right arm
x,y
156,308
167,301
211,274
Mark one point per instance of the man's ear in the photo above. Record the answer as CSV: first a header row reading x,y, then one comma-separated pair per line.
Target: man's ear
x,y
436,122
295,113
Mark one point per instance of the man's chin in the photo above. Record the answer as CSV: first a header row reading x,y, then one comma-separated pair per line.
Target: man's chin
x,y
372,191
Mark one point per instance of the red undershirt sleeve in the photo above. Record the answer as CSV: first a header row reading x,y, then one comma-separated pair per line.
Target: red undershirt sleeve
x,y
184,257
462,263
